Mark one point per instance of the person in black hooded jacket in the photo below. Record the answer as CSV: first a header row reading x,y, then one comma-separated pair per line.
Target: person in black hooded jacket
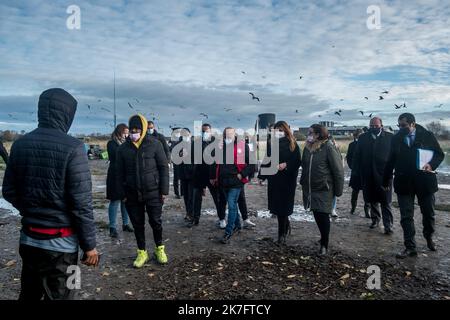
x,y
186,174
411,181
3,152
143,183
48,180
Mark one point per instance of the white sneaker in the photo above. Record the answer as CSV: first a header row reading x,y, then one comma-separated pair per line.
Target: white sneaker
x,y
334,214
222,224
249,224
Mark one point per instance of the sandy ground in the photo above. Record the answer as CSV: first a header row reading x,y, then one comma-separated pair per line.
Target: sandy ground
x,y
252,266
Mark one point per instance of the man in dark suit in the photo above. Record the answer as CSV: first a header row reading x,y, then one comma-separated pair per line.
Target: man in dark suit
x,y
411,180
371,156
355,179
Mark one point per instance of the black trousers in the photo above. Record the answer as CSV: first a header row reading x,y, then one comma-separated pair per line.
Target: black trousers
x,y
44,274
242,203
198,198
283,225
176,179
136,212
406,204
354,201
323,222
385,214
187,189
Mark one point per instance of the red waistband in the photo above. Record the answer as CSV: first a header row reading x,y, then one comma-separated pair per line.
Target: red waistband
x,y
63,232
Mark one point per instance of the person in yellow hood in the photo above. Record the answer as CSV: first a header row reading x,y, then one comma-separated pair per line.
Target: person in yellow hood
x,y
143,180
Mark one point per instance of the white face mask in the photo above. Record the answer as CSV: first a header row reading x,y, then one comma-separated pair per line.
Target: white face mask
x,y
151,131
279,134
206,135
187,139
228,140
310,139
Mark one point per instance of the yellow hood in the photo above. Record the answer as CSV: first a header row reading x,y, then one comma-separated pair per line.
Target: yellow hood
x,y
144,129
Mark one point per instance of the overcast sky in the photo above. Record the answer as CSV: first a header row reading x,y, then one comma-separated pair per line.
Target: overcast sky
x,y
176,59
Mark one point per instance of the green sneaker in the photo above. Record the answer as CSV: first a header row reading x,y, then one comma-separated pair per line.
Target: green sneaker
x,y
141,259
160,255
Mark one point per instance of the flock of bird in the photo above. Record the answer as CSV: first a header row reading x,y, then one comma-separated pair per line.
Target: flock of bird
x,y
253,96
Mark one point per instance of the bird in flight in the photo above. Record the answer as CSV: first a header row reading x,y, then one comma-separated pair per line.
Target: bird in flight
x,y
439,106
204,114
338,113
296,111
362,112
99,100
385,92
129,104
228,109
367,98
381,98
243,72
397,106
301,77
182,107
370,115
320,116
253,96
89,107
105,109
136,100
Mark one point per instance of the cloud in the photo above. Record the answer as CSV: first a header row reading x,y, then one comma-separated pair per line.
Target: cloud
x,y
191,53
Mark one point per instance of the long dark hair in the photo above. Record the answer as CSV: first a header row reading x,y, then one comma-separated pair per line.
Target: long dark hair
x,y
287,131
118,131
321,131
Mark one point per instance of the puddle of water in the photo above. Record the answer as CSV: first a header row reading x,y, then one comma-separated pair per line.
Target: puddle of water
x,y
299,214
8,206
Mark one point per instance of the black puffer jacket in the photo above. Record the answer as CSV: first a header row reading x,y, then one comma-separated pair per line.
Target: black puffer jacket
x,y
47,178
160,137
142,173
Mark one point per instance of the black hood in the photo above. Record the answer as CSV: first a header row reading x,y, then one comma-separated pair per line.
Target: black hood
x,y
56,109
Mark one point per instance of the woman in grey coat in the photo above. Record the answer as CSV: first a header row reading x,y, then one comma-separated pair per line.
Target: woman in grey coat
x,y
322,179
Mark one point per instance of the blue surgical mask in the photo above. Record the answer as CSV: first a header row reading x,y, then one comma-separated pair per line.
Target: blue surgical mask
x,y
150,131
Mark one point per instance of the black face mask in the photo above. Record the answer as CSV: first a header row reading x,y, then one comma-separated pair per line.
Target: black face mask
x,y
375,131
404,131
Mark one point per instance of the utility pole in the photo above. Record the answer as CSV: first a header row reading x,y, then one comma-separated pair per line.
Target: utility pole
x,y
115,114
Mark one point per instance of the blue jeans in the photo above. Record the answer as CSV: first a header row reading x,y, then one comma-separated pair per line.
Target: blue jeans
x,y
232,196
112,212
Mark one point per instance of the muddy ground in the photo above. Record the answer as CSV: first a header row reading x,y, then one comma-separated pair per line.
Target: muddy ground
x,y
252,266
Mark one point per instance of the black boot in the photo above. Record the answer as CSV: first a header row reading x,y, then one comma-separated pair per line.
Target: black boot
x,y
226,239
127,228
406,253
367,211
374,224
113,233
281,240
323,251
430,244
